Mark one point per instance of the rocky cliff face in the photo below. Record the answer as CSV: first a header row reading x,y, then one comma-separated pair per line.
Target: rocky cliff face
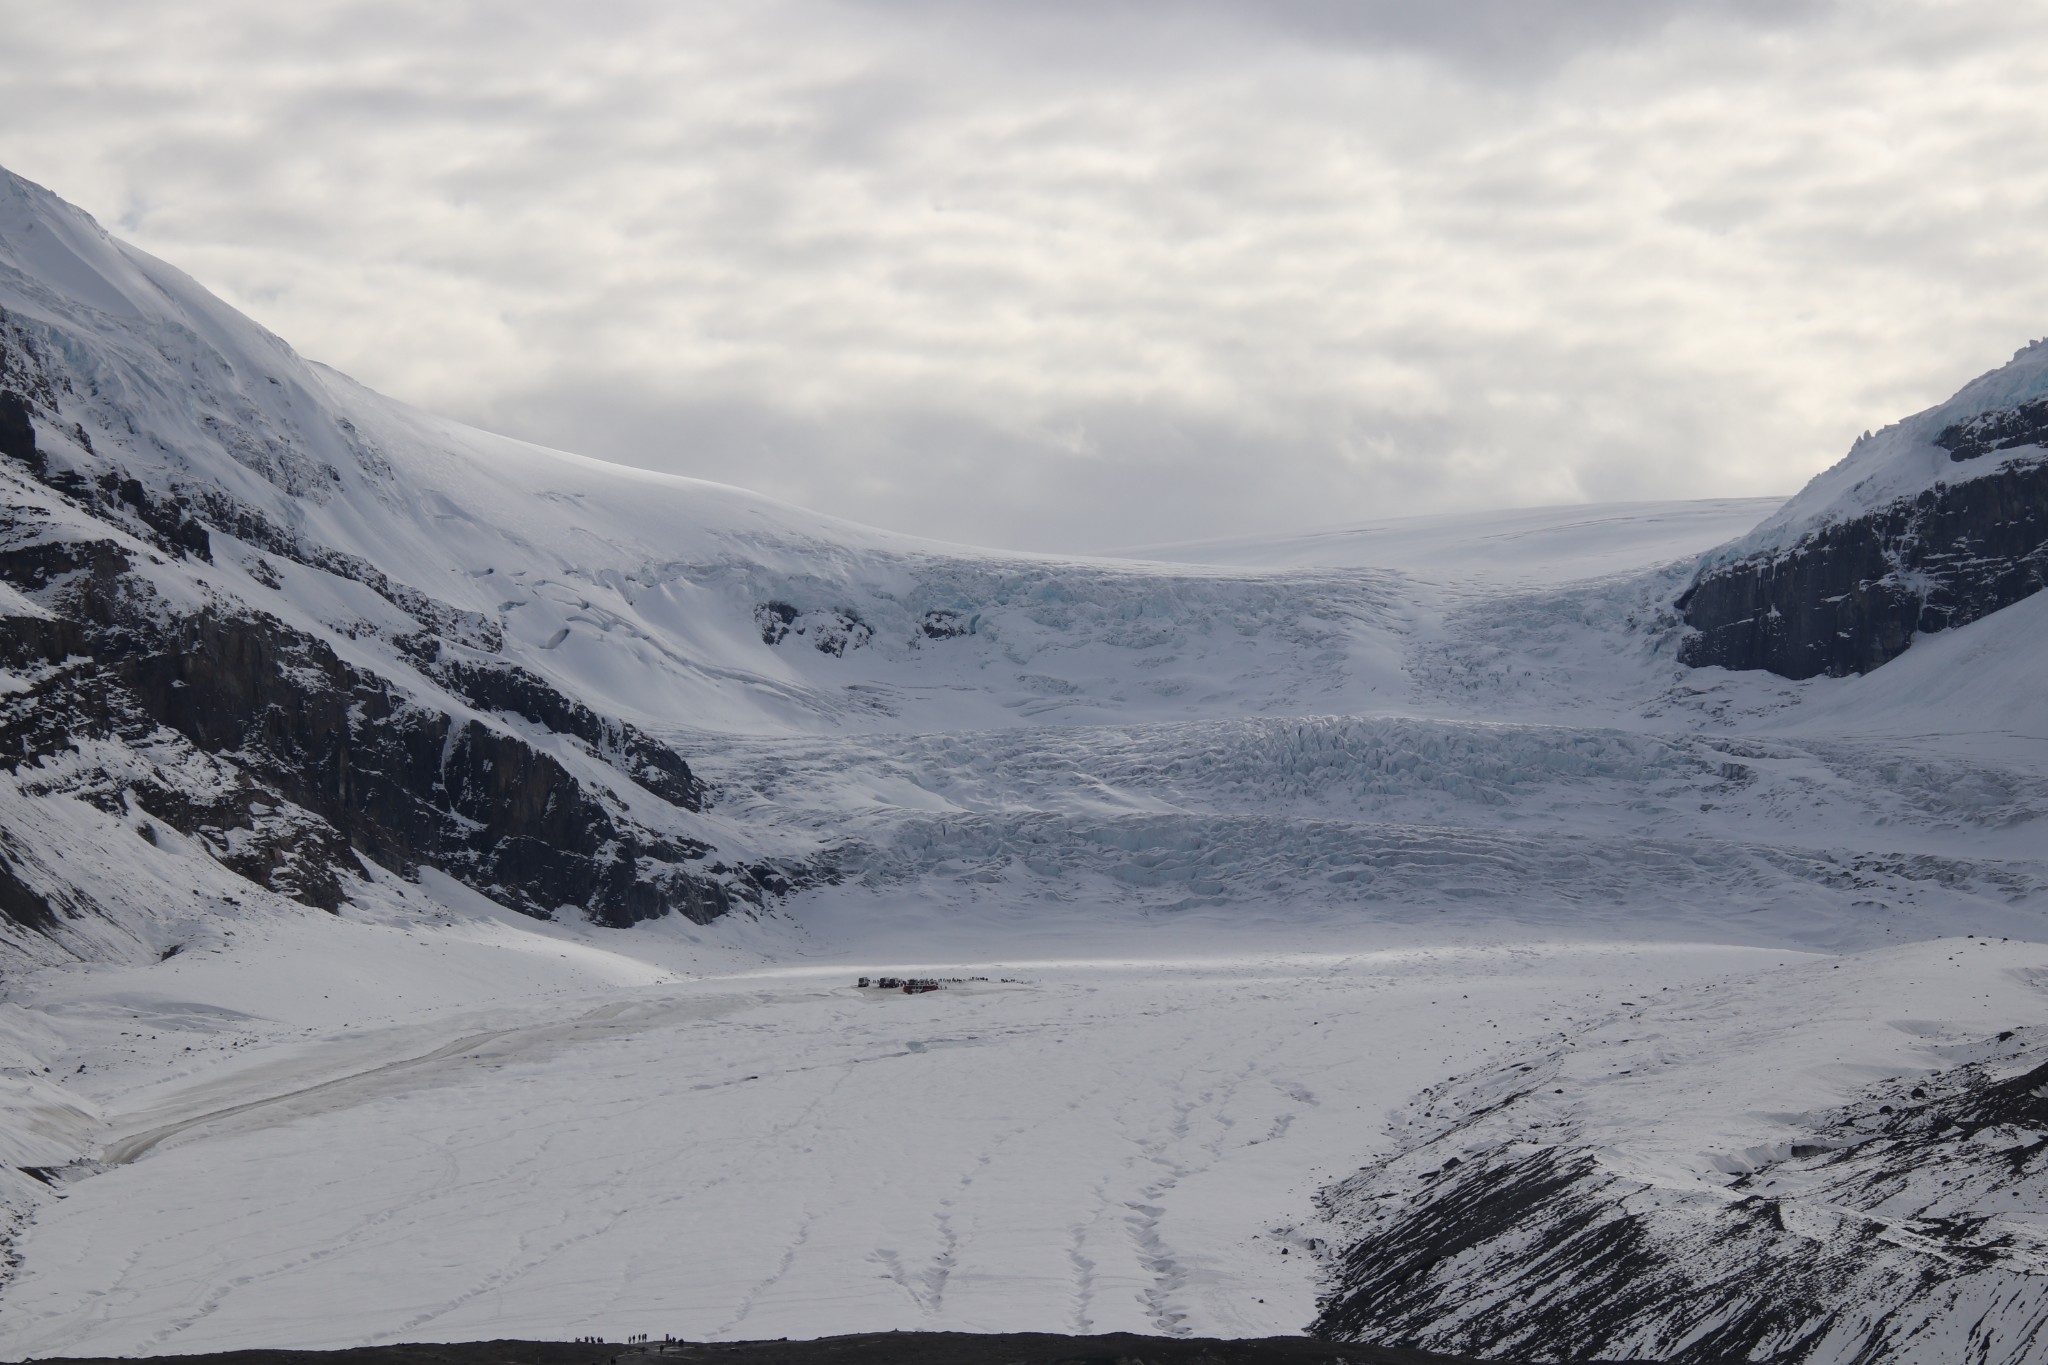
x,y
1851,596
1935,522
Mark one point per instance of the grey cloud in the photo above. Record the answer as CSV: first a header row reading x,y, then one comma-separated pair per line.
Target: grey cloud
x,y
1501,34
1089,479
1492,38
1111,473
1127,273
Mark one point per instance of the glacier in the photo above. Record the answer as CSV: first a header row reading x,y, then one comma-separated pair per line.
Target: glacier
x,y
434,870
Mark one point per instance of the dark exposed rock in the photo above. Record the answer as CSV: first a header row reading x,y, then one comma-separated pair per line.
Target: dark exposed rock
x,y
250,830
505,687
21,903
408,785
170,518
17,433
947,624
33,561
1851,596
1602,1273
168,521
832,631
774,619
329,761
1392,1289
2006,429
29,640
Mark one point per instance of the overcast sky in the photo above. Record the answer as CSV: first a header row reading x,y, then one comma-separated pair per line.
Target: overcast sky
x,y
1077,273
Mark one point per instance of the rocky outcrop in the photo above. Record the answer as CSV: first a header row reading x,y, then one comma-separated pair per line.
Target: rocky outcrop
x,y
507,688
946,623
1852,595
828,630
2025,424
17,434
331,762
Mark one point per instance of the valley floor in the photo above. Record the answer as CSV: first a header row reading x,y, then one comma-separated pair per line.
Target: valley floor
x,y
1129,1144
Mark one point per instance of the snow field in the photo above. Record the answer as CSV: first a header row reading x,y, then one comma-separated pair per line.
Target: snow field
x,y
1108,1146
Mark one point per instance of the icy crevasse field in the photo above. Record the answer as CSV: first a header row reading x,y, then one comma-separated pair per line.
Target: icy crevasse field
x,y
1263,847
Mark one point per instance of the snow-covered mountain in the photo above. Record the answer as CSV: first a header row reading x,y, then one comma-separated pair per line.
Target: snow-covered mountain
x,y
436,864
1933,522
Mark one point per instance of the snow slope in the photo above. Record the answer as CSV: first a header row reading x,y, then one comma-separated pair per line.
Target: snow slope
x,y
1273,836
1836,1160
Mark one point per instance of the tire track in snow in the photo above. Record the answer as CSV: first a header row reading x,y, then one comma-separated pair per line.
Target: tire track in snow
x,y
789,1253
605,1021
337,1246
804,1226
1197,1137
1083,1266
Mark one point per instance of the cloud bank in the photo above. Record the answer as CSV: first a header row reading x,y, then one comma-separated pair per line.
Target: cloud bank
x,y
1068,275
